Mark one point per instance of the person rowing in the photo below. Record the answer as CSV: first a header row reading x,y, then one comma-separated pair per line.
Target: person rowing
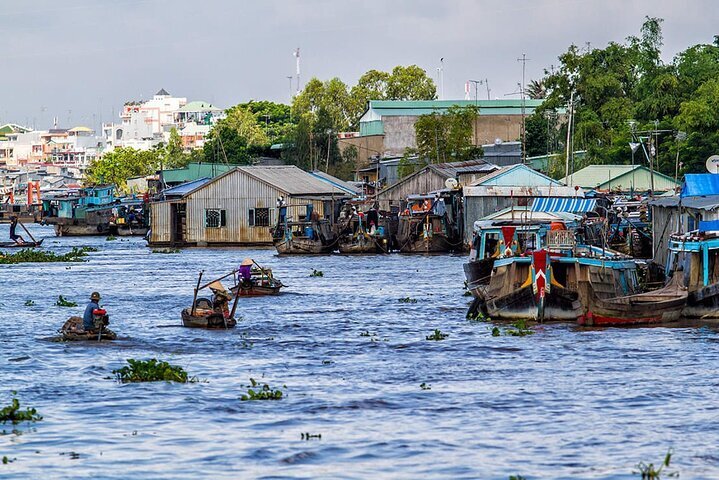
x,y
13,235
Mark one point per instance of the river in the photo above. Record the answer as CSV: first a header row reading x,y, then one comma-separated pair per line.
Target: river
x,y
564,402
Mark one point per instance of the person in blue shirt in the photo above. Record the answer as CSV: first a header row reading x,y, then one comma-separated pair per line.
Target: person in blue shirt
x,y
87,318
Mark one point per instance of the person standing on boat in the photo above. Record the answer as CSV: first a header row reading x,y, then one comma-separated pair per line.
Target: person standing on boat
x,y
13,235
88,320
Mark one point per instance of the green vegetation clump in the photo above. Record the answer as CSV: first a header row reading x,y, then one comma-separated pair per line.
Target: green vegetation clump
x,y
437,335
407,300
29,255
63,302
110,238
151,370
13,414
29,303
166,250
425,386
516,329
265,392
317,273
650,472
478,316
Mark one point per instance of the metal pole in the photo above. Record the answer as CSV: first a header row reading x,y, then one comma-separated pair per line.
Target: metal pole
x,y
569,133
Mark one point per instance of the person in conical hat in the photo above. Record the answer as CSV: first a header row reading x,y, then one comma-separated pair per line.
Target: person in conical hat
x,y
246,269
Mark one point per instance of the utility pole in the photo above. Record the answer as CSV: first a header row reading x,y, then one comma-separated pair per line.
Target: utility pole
x,y
476,107
441,78
297,57
289,77
524,60
569,137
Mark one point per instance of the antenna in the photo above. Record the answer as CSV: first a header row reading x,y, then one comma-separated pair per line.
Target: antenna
x,y
289,77
297,57
441,78
524,60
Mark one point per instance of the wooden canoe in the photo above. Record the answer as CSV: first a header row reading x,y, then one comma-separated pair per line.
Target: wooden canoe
x,y
21,245
206,319
657,306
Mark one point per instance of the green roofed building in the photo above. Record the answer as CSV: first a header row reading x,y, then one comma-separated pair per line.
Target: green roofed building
x,y
393,121
194,171
620,178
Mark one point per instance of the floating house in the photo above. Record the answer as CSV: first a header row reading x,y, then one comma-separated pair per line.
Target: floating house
x,y
239,206
698,202
510,186
431,178
620,178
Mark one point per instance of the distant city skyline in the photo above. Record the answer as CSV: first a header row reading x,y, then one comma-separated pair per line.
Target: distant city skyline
x,y
81,60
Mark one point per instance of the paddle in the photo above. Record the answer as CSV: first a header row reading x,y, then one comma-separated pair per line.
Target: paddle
x,y
197,288
27,231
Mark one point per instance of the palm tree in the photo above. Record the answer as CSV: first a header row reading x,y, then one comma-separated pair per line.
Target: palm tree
x,y
536,89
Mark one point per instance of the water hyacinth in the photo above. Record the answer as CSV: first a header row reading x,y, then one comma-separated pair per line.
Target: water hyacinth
x,y
151,370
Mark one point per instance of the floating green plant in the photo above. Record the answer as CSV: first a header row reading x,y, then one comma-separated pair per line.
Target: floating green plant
x,y
263,392
310,436
317,273
6,460
517,477
407,300
425,386
520,329
152,370
29,303
166,250
63,302
650,472
478,316
467,293
496,332
367,333
29,255
13,414
110,238
437,335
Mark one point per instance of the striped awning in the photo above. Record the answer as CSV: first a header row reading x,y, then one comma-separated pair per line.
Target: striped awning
x,y
571,205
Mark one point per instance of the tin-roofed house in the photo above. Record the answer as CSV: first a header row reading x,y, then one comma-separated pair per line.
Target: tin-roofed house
x,y
239,206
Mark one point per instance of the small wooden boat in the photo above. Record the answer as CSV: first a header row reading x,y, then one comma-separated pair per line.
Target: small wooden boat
x,y
73,331
257,287
206,318
211,313
657,306
21,245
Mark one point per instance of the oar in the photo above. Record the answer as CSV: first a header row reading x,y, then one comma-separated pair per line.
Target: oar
x,y
197,288
27,231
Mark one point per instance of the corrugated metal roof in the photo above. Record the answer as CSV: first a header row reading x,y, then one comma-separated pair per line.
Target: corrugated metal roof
x,y
519,191
185,188
605,177
292,180
349,188
696,184
199,106
194,171
517,175
709,202
573,205
452,169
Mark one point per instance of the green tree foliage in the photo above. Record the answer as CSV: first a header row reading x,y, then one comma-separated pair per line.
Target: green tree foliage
x,y
118,166
624,91
174,153
236,138
447,137
274,118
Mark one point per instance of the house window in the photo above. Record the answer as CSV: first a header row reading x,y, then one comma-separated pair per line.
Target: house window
x,y
259,217
215,218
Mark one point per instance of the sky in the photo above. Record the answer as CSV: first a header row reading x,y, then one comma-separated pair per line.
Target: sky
x,y
80,60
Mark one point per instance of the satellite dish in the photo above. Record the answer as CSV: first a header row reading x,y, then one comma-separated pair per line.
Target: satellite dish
x,y
451,183
713,164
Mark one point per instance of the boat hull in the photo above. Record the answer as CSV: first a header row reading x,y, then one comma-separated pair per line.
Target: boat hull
x,y
299,246
256,291
81,230
559,304
660,306
433,244
703,303
212,321
21,245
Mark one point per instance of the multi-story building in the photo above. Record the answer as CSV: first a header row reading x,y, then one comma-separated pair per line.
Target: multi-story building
x,y
145,124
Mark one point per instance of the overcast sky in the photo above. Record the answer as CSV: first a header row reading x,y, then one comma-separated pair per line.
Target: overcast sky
x,y
80,60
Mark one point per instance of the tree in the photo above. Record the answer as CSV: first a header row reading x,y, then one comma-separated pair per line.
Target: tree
x,y
117,166
173,155
410,83
331,96
536,89
236,138
447,137
274,118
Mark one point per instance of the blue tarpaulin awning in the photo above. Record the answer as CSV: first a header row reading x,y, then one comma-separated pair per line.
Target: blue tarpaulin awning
x,y
699,184
571,205
709,226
